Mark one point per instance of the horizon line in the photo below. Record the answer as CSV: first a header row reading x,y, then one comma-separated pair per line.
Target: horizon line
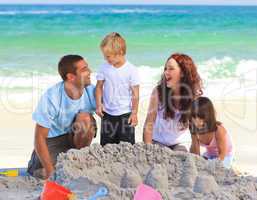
x,y
140,4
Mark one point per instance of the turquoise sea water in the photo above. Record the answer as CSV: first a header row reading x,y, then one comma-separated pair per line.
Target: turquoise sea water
x,y
34,37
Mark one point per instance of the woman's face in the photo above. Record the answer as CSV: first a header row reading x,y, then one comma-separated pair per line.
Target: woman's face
x,y
172,73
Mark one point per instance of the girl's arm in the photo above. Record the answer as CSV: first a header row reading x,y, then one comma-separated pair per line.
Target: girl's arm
x,y
195,146
151,117
221,142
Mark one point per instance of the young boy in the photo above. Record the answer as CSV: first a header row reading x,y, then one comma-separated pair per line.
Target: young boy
x,y
117,93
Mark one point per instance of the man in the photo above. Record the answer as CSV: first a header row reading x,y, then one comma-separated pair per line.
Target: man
x,y
63,116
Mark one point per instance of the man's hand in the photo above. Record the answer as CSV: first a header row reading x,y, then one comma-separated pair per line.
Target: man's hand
x,y
49,171
133,119
43,173
99,110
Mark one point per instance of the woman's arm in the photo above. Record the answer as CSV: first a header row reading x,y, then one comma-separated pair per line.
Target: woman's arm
x,y
151,117
221,141
195,145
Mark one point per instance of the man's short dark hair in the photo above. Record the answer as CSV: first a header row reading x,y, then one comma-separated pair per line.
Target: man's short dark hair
x,y
67,65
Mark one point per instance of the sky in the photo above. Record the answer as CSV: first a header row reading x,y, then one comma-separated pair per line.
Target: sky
x,y
180,2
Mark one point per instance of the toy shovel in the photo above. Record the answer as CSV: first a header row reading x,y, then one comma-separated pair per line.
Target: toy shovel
x,y
102,192
145,192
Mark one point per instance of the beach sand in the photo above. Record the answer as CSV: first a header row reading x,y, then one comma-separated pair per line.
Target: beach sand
x,y
17,134
121,168
238,116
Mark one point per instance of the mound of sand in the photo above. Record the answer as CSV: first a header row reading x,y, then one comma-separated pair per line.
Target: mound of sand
x,y
176,175
20,188
121,168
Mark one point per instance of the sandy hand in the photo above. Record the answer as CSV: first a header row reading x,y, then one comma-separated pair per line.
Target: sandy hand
x,y
133,119
99,110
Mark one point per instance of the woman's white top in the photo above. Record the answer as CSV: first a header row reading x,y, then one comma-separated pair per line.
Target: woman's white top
x,y
168,131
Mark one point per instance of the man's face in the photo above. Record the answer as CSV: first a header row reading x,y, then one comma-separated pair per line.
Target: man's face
x,y
83,72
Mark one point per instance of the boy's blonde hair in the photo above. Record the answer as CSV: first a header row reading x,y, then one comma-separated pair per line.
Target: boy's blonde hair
x,y
114,43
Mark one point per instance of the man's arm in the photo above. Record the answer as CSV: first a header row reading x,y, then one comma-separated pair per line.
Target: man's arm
x,y
41,149
135,101
98,97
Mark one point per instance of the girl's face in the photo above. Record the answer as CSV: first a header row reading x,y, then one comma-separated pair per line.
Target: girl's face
x,y
198,122
172,73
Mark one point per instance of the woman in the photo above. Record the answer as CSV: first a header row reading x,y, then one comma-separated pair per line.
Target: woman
x,y
168,115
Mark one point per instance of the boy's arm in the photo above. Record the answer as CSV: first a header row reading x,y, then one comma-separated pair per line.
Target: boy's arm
x,y
221,142
150,118
41,149
195,146
98,96
135,101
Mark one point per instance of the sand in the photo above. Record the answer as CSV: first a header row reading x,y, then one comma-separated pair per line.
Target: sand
x,y
20,188
17,144
17,131
176,175
122,167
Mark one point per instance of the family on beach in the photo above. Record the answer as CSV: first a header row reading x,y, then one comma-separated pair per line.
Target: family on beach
x,y
64,115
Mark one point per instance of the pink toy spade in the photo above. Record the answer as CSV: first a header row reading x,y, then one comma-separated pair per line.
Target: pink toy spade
x,y
145,192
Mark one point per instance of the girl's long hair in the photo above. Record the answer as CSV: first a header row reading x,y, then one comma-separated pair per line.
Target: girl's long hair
x,y
203,108
190,88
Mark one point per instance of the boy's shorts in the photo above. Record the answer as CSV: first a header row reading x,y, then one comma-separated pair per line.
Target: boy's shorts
x,y
115,129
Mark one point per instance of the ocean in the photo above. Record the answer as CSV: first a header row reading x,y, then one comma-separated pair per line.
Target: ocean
x,y
222,40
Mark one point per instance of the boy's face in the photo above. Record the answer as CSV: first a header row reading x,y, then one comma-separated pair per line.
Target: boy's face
x,y
83,72
113,59
198,122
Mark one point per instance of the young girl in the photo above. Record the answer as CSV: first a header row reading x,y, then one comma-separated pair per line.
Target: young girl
x,y
209,133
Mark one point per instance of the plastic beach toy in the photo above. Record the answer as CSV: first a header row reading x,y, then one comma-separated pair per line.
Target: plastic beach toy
x,y
102,191
13,172
10,173
145,192
53,191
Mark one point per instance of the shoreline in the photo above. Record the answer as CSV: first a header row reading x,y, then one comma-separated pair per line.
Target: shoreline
x,y
237,116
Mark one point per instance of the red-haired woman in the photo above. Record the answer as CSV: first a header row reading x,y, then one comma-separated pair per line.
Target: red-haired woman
x,y
168,115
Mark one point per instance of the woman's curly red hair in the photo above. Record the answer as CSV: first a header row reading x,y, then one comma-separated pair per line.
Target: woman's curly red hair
x,y
190,88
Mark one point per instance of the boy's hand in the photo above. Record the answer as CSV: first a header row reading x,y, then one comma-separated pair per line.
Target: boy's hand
x,y
133,119
99,110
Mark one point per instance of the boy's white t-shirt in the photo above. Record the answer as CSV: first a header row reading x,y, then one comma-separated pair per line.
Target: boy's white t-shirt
x,y
117,93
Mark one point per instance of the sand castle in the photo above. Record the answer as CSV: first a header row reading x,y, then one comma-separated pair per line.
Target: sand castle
x,y
121,168
176,175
